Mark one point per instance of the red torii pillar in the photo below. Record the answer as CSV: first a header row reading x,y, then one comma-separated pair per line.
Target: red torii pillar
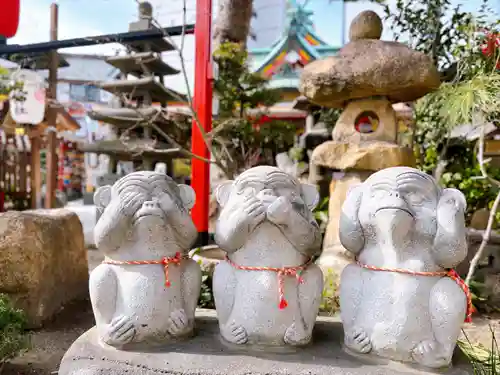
x,y
200,170
9,23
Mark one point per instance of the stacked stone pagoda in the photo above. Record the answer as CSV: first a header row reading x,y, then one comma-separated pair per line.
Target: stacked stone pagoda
x,y
143,62
365,79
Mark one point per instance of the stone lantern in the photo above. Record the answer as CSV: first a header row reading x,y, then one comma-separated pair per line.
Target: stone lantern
x,y
365,79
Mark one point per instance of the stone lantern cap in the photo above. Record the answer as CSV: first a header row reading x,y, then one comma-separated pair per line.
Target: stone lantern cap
x,y
369,67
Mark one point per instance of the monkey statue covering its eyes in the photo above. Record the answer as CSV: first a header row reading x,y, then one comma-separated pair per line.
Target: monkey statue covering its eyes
x,y
145,292
266,292
399,223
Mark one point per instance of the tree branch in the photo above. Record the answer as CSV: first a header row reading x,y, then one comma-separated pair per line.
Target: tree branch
x,y
478,118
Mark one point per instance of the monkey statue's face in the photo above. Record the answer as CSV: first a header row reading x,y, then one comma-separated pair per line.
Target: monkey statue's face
x,y
150,203
267,184
147,199
399,199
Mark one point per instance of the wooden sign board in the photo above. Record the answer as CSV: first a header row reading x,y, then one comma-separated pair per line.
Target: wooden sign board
x,y
31,108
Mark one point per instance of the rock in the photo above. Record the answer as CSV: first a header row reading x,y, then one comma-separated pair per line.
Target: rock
x,y
266,223
205,355
370,156
88,217
146,291
366,25
385,223
480,219
43,261
365,68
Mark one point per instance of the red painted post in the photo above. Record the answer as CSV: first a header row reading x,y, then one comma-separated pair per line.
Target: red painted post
x,y
9,17
200,170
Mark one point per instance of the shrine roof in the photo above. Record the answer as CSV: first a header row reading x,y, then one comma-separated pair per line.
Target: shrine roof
x,y
298,45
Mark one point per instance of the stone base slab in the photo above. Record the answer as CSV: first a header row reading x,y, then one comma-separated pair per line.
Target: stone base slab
x,y
205,354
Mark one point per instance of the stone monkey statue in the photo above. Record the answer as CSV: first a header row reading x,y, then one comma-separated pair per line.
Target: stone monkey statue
x,y
399,218
267,292
145,291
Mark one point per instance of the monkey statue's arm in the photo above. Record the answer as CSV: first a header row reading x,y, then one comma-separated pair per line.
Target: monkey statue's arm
x,y
350,231
304,234
103,293
115,221
183,227
237,221
450,243
114,329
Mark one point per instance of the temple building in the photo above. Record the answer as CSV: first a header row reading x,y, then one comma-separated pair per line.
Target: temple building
x,y
282,62
284,59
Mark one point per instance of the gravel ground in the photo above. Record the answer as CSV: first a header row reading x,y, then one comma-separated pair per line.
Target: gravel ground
x,y
50,343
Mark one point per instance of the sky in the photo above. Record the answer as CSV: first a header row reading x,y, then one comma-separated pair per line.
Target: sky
x,y
78,18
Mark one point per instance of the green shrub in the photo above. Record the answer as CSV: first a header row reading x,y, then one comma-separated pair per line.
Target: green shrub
x,y
12,329
330,298
321,214
206,300
484,361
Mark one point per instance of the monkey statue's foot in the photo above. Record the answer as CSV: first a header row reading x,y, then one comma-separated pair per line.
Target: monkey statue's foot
x,y
297,335
430,354
120,331
234,333
178,323
358,341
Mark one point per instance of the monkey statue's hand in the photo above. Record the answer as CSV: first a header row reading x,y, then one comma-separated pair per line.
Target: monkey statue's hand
x,y
450,206
129,204
279,211
167,204
450,210
254,211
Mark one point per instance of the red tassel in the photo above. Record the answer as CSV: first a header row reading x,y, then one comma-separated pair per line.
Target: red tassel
x,y
283,304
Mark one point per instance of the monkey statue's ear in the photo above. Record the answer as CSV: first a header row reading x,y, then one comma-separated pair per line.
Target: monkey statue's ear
x,y
353,187
102,197
450,242
188,196
310,195
223,191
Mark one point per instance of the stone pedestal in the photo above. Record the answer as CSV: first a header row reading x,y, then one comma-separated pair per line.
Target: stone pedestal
x,y
206,355
334,256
